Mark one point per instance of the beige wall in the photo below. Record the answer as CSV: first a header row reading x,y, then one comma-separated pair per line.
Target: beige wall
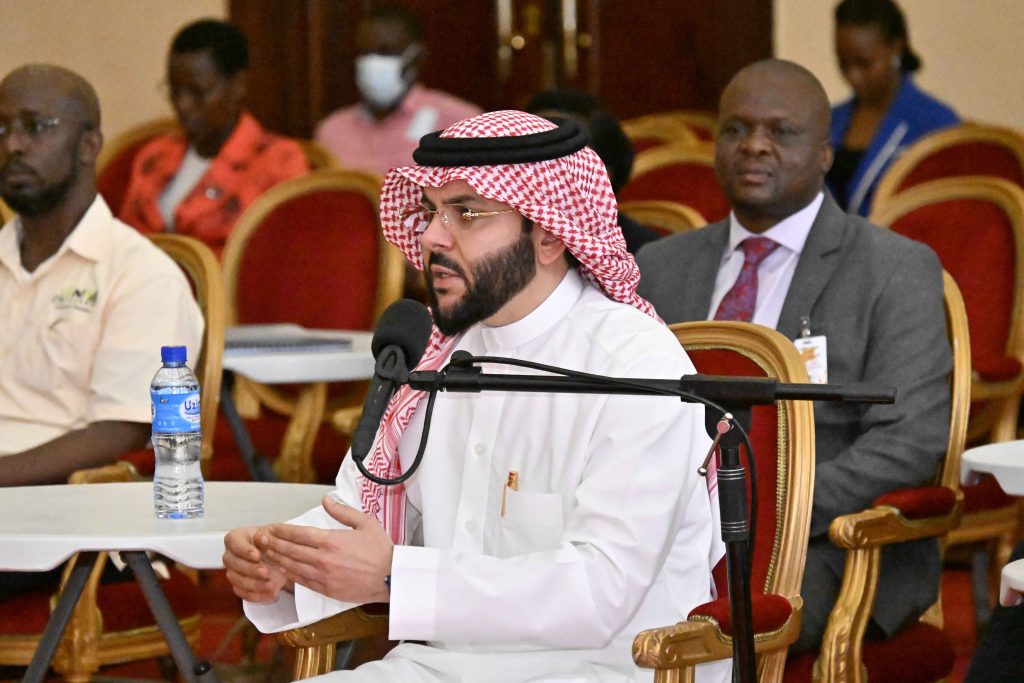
x,y
973,52
118,45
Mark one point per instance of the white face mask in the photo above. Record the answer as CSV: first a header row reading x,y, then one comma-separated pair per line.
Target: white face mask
x,y
380,79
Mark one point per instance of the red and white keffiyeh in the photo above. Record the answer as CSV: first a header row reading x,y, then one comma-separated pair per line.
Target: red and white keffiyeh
x,y
570,197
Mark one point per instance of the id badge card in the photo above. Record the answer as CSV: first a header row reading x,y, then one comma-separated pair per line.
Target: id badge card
x,y
814,352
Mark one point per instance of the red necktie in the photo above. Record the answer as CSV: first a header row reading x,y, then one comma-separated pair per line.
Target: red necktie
x,y
739,302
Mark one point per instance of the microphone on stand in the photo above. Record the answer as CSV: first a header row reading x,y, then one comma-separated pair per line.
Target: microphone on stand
x,y
398,344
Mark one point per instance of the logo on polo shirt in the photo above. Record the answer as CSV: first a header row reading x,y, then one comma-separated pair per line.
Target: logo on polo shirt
x,y
79,299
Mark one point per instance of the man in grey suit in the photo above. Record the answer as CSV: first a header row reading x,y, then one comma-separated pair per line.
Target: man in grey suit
x,y
874,296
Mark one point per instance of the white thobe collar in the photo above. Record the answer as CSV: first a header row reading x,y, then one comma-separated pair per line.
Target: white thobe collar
x,y
538,321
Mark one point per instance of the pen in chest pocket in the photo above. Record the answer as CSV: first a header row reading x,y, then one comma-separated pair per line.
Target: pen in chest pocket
x,y
512,483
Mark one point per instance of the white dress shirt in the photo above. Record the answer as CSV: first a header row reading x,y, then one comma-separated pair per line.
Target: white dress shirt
x,y
775,272
610,531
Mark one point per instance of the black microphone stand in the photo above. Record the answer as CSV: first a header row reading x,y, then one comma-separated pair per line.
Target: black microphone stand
x,y
738,393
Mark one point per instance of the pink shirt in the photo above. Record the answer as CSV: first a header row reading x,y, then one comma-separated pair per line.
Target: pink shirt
x,y
360,141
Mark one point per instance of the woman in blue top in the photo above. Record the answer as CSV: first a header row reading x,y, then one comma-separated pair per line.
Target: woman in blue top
x,y
887,112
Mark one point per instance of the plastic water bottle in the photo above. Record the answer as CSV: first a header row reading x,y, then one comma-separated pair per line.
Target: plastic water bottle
x,y
177,481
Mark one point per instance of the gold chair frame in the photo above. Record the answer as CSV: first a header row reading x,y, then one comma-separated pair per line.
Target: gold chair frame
x,y
896,174
309,409
700,152
131,137
663,213
864,534
665,127
672,126
673,651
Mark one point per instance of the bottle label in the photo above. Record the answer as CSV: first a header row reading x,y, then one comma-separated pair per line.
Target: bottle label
x,y
174,413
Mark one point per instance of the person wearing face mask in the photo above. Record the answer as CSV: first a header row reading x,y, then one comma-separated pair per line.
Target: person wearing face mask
x,y
887,112
382,130
199,181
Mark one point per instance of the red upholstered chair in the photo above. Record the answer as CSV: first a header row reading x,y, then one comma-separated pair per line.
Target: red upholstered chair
x,y
114,165
664,216
310,251
704,124
976,225
922,652
112,622
654,130
682,173
783,440
967,149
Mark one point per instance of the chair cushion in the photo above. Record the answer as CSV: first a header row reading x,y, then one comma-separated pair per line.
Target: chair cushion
x,y
992,368
764,437
987,494
692,184
920,502
966,233
919,654
25,614
770,612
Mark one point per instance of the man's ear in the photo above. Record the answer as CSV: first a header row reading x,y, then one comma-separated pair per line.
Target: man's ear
x,y
826,156
89,145
548,247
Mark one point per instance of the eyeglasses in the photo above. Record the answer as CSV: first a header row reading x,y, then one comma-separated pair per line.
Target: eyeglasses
x,y
418,219
32,125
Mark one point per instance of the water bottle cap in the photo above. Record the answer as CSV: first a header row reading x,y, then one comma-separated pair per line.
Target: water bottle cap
x,y
172,354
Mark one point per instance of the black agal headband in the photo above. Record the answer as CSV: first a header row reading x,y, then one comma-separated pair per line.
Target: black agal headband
x,y
567,139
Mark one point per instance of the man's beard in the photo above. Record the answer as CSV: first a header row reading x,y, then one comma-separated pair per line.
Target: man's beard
x,y
36,202
496,279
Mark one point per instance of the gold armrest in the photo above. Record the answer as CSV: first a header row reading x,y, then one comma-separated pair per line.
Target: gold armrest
x,y
673,651
345,419
864,534
883,525
314,644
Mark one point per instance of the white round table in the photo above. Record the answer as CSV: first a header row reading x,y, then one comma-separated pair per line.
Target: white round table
x,y
41,526
1004,461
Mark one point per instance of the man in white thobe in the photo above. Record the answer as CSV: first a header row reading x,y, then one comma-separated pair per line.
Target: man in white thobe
x,y
542,531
